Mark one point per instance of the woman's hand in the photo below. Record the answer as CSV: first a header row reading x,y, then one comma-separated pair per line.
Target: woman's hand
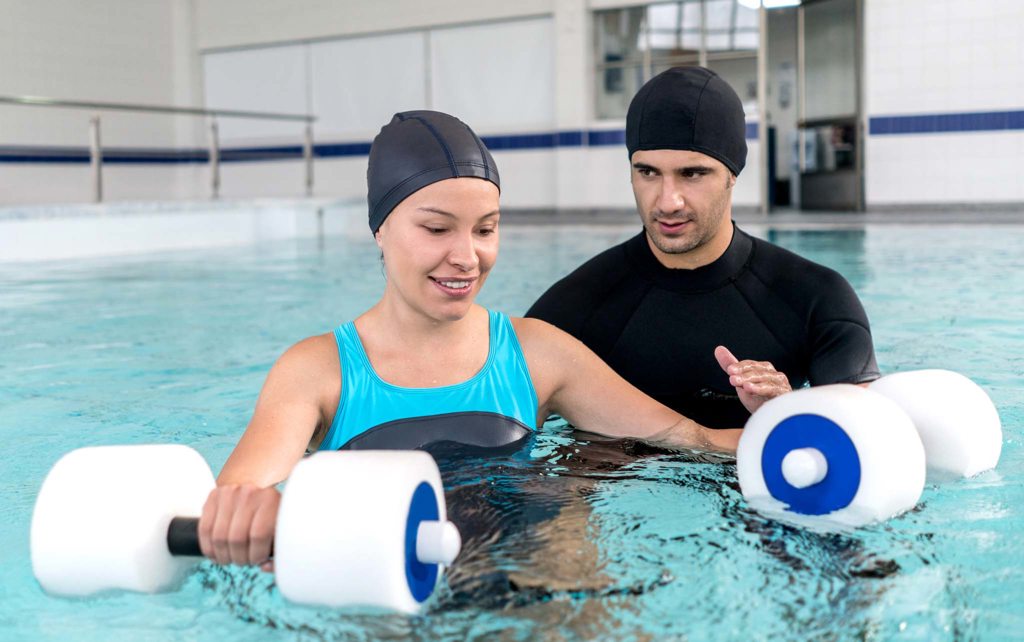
x,y
237,524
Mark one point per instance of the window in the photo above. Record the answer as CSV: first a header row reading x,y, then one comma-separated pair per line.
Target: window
x,y
634,44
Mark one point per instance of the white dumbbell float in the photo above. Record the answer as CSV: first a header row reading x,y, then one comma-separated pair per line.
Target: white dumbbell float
x,y
353,528
861,455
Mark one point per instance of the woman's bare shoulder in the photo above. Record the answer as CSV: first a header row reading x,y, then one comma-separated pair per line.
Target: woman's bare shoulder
x,y
314,357
534,334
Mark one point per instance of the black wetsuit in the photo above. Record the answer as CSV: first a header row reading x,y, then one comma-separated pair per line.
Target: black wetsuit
x,y
658,327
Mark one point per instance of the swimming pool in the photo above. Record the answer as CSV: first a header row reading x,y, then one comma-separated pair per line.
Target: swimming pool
x,y
576,539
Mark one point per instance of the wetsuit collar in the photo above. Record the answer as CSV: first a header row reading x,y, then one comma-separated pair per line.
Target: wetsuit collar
x,y
705,278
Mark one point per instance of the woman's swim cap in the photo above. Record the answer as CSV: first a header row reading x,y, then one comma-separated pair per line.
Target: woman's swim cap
x,y
689,108
418,148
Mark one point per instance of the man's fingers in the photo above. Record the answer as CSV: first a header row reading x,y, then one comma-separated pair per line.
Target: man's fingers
x,y
759,377
772,377
724,357
765,390
748,365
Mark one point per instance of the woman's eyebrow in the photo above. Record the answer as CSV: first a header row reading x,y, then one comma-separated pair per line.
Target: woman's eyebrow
x,y
435,210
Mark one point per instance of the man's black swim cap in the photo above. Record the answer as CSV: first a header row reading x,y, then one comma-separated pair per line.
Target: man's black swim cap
x,y
418,148
689,108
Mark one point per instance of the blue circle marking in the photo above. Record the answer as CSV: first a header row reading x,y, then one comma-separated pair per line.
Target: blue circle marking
x,y
842,480
421,577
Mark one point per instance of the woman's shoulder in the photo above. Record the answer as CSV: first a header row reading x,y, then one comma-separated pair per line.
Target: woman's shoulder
x,y
536,335
316,355
529,327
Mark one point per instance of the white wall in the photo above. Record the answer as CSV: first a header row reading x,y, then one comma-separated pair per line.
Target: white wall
x,y
241,23
944,56
498,76
102,50
357,83
268,80
516,72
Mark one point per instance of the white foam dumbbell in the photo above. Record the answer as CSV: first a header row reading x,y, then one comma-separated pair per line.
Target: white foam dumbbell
x,y
957,421
353,528
861,455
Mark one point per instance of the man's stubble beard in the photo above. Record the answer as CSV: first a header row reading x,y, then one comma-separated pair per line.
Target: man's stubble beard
x,y
707,226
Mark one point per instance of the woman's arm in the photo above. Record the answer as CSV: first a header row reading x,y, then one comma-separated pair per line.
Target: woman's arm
x,y
573,382
238,519
289,409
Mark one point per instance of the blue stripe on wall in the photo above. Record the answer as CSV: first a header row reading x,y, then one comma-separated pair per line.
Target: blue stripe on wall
x,y
603,138
547,140
26,154
985,121
878,126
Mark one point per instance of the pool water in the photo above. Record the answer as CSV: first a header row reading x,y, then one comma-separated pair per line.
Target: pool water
x,y
573,538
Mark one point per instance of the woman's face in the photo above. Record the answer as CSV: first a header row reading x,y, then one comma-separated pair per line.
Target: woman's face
x,y
440,243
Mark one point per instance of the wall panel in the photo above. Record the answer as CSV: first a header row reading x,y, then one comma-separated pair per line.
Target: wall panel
x,y
357,83
274,79
496,77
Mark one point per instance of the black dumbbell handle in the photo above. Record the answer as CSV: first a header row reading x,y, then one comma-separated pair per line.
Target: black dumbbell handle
x,y
183,537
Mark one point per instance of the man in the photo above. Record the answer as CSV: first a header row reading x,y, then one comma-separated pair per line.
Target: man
x,y
669,308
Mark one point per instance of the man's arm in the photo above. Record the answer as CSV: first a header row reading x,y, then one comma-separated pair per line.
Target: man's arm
x,y
841,347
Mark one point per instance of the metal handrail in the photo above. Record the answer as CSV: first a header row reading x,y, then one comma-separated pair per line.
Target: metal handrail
x,y
96,151
40,101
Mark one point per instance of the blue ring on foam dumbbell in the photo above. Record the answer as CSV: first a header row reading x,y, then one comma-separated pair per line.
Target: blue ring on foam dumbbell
x,y
842,480
421,577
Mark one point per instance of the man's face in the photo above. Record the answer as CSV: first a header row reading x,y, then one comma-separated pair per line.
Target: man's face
x,y
685,200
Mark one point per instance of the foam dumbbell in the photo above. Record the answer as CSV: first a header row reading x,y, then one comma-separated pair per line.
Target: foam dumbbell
x,y
957,421
366,528
861,455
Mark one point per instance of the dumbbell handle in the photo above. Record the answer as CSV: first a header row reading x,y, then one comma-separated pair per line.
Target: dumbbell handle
x,y
436,542
183,537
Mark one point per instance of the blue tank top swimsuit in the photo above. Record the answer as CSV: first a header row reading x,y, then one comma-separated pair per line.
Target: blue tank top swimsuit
x,y
495,407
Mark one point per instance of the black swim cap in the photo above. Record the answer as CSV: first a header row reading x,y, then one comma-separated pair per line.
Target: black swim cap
x,y
689,108
418,148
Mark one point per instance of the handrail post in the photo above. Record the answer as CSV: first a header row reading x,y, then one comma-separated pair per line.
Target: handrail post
x,y
96,159
307,154
214,161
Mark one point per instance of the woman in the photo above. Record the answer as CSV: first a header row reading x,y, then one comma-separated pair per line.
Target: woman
x,y
425,363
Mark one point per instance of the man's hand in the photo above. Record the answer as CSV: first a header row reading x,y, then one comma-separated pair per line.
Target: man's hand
x,y
755,381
